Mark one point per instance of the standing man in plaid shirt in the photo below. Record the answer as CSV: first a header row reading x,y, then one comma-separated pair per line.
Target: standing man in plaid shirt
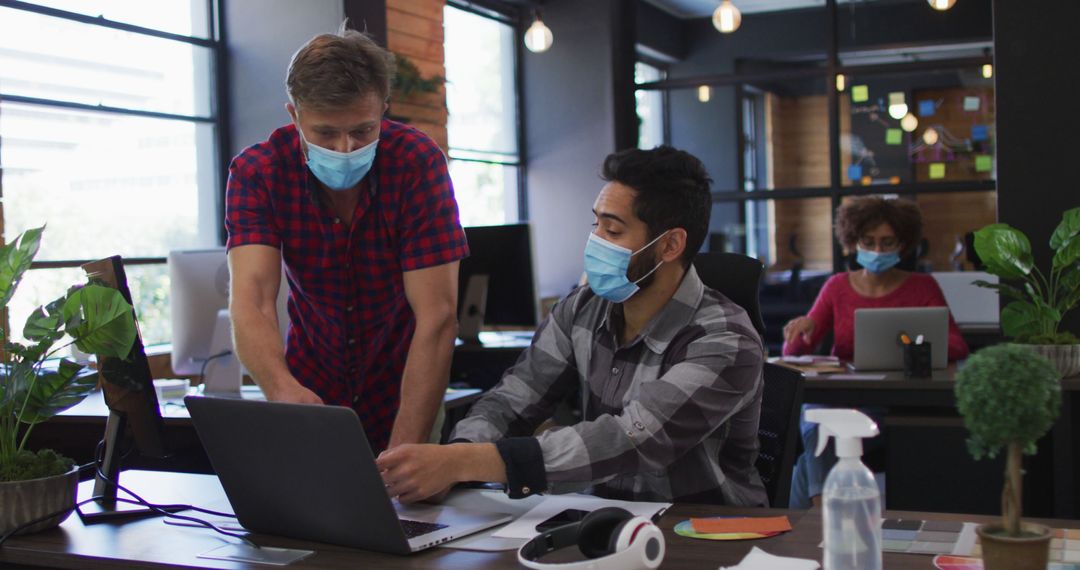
x,y
669,370
361,211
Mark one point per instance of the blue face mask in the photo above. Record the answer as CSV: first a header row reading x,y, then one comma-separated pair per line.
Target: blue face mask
x,y
606,265
339,170
875,262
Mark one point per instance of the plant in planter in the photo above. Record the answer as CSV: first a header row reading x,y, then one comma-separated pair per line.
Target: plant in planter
x,y
1009,397
1038,301
94,318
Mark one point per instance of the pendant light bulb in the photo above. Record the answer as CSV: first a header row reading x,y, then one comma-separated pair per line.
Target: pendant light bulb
x,y
704,93
726,17
987,70
909,123
930,136
941,5
841,82
538,37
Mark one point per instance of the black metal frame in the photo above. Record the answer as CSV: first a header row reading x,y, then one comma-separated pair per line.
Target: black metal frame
x,y
836,191
219,101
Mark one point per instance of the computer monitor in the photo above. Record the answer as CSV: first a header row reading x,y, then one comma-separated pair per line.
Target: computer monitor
x,y
496,283
201,328
128,388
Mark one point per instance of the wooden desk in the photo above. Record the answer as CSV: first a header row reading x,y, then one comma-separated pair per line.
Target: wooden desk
x,y
923,413
149,542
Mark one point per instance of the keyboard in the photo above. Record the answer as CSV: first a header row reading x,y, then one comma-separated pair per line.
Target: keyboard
x,y
414,529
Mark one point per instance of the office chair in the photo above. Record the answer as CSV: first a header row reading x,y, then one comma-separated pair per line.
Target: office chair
x,y
778,430
737,277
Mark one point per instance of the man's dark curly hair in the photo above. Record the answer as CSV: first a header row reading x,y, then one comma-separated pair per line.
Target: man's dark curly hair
x,y
672,191
864,213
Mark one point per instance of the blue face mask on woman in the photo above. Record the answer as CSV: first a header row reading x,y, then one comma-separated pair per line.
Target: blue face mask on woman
x,y
606,265
339,171
876,262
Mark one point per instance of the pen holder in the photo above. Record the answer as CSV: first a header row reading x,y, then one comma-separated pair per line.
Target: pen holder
x,y
917,360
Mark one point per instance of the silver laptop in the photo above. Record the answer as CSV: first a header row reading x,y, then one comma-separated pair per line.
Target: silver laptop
x,y
308,472
877,331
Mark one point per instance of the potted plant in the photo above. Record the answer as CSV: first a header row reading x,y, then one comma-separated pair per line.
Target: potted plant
x,y
1009,397
97,320
1038,301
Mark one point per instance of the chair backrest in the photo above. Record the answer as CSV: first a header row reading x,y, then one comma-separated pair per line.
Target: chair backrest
x,y
778,430
737,277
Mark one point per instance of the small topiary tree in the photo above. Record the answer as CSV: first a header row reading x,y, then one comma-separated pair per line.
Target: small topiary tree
x,y
1009,397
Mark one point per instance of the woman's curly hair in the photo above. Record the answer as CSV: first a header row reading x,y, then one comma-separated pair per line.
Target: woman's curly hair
x,y
864,213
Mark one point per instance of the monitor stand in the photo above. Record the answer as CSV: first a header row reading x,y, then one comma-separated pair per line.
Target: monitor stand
x,y
106,507
223,375
471,318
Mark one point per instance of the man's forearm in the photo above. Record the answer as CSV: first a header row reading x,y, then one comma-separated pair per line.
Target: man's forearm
x,y
423,384
259,347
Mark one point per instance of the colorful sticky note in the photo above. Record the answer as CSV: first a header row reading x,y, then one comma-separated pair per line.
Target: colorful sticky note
x,y
926,108
854,172
979,133
894,136
866,181
971,103
937,170
896,98
741,524
983,163
859,93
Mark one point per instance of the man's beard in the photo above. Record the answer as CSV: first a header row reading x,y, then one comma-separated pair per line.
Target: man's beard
x,y
642,264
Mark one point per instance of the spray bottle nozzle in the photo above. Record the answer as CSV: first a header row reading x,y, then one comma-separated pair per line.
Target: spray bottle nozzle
x,y
847,426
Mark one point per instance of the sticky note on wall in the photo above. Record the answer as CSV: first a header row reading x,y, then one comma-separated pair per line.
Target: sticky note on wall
x,y
859,93
979,133
971,103
926,108
984,163
894,136
854,172
937,170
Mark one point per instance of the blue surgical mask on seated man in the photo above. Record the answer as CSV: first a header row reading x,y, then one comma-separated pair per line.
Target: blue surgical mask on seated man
x,y
606,265
876,262
339,171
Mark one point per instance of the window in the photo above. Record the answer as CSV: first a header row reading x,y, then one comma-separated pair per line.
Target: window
x,y
483,133
650,107
109,136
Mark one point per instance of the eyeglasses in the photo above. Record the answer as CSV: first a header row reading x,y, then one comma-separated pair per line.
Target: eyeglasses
x,y
883,244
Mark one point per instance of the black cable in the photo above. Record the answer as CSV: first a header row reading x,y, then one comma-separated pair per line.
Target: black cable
x,y
202,369
28,524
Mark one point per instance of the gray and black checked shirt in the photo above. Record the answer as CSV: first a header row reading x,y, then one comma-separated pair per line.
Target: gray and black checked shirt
x,y
671,416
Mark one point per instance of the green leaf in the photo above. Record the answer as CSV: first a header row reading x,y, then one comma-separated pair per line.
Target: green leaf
x,y
15,259
104,321
16,382
1068,254
46,322
1005,250
1003,289
1021,319
56,391
1069,227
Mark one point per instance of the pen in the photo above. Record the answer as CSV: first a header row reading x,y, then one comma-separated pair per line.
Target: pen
x,y
918,339
904,338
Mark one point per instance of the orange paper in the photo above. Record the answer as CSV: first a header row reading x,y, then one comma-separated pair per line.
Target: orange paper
x,y
744,524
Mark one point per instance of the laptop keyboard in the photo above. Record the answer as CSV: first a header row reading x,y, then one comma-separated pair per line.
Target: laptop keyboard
x,y
414,529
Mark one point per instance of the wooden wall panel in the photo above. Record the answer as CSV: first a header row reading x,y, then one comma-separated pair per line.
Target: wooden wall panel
x,y
415,31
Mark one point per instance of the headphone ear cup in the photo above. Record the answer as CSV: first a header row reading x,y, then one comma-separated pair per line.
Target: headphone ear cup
x,y
600,531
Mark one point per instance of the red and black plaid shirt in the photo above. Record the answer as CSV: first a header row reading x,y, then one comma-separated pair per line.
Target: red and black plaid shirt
x,y
350,323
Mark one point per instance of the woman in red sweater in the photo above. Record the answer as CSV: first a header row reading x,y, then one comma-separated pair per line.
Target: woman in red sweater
x,y
880,231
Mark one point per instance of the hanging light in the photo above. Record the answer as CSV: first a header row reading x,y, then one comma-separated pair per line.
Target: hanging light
x,y
726,17
987,70
538,37
909,123
897,106
930,136
841,82
704,93
941,5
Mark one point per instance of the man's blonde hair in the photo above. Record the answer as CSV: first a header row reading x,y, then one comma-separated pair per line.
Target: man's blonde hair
x,y
332,70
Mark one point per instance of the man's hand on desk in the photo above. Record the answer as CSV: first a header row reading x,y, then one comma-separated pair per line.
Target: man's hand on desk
x,y
414,472
292,392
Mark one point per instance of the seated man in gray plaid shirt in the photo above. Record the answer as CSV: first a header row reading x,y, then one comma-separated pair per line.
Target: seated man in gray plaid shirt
x,y
670,370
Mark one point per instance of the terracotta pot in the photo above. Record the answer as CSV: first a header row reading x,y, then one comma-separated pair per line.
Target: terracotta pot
x,y
1030,551
1064,357
24,501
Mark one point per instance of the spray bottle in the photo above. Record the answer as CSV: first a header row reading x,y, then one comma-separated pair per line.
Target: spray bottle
x,y
852,512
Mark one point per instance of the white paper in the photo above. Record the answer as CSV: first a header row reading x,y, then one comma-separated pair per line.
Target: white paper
x,y
263,555
854,376
489,501
758,559
551,505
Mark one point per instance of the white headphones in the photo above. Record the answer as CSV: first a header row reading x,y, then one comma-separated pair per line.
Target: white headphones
x,y
612,539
